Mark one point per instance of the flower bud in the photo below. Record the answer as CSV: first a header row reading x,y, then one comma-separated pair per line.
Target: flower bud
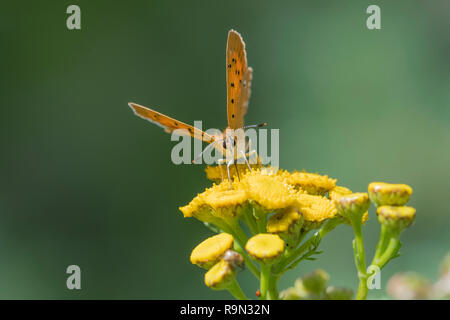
x,y
266,248
396,218
315,282
408,286
353,206
441,289
387,194
338,192
289,294
336,293
220,276
211,250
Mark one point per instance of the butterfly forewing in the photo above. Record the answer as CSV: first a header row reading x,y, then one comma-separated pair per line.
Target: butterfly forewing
x,y
169,124
236,69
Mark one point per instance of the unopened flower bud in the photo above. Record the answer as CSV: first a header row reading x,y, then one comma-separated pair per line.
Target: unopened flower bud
x,y
396,218
315,282
387,194
336,293
220,276
441,289
289,294
211,250
338,192
408,286
353,206
266,248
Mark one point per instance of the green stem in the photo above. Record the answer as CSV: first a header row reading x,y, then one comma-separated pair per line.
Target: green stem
x,y
248,262
264,281
236,291
361,294
251,223
360,260
294,254
260,218
382,243
236,231
391,251
273,287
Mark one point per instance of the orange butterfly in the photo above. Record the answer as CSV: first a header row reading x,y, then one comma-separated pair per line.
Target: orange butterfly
x,y
239,78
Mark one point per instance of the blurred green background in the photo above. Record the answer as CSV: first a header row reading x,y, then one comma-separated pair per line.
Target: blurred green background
x,y
83,181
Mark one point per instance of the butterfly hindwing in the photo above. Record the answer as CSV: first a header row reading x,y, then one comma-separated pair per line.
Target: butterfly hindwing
x,y
244,96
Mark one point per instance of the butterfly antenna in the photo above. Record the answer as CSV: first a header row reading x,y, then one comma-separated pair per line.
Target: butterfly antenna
x,y
256,125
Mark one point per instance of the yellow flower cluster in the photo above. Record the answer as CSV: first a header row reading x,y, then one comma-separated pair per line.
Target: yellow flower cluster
x,y
267,191
279,208
312,183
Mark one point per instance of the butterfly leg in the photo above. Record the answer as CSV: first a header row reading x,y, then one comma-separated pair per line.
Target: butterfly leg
x,y
220,162
246,161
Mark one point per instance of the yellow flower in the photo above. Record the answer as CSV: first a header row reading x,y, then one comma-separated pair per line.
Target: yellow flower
x,y
287,223
214,173
283,220
315,208
353,206
396,218
220,276
269,191
387,194
265,247
228,203
211,250
312,183
198,208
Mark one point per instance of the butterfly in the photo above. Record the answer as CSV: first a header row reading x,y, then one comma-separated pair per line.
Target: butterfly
x,y
238,79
